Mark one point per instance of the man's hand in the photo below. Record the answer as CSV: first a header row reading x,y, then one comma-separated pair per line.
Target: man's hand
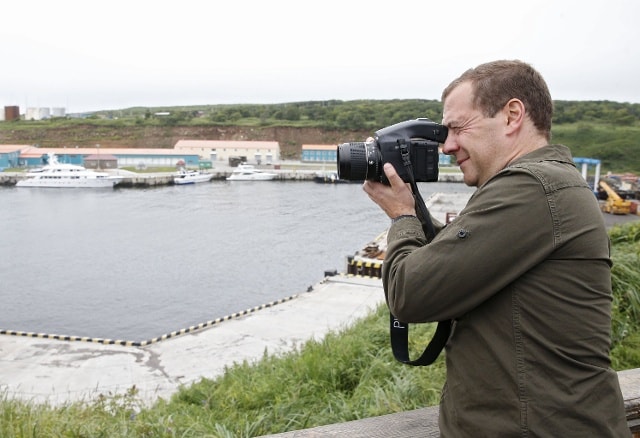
x,y
396,199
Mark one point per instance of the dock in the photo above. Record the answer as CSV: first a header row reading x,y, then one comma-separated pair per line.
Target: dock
x,y
302,172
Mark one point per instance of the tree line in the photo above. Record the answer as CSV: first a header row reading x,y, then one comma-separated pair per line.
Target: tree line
x,y
605,130
372,114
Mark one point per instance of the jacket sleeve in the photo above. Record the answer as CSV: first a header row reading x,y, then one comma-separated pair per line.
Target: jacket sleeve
x,y
505,229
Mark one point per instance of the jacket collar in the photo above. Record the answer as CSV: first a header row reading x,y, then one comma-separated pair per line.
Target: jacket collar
x,y
553,152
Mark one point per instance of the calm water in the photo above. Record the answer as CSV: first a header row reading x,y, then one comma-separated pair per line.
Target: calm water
x,y
135,264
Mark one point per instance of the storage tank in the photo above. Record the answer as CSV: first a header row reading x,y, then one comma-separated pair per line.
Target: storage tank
x,y
58,112
11,112
37,113
31,114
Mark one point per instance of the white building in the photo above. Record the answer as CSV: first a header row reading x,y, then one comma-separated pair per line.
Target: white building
x,y
254,152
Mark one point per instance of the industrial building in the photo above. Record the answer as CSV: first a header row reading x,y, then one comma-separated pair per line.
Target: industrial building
x,y
329,153
189,153
10,155
31,156
319,152
256,152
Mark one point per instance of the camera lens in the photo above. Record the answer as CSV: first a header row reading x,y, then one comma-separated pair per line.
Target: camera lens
x,y
358,161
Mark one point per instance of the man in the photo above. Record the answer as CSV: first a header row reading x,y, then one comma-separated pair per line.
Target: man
x,y
523,271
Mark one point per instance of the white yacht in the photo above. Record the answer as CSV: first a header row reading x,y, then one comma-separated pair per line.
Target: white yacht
x,y
191,177
64,175
247,172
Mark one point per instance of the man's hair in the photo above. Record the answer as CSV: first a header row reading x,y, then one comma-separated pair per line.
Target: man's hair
x,y
495,83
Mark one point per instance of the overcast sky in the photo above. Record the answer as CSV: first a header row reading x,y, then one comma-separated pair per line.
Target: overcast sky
x,y
88,55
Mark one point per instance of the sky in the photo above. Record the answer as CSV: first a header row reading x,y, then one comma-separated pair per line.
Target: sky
x,y
107,55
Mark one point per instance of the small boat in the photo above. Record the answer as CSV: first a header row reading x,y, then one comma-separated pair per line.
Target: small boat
x,y
63,175
191,177
247,172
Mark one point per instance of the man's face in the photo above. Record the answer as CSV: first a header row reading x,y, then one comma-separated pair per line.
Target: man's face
x,y
474,140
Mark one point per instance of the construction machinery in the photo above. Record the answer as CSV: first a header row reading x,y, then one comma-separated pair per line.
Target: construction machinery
x,y
614,204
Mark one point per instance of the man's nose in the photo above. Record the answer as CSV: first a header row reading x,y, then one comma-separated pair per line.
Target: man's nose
x,y
449,146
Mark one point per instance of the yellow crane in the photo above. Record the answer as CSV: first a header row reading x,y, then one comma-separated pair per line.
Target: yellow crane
x,y
614,204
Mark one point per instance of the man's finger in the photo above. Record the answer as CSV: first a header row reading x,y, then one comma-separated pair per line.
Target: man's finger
x,y
392,175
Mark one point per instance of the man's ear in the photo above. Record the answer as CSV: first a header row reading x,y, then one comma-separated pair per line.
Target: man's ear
x,y
514,111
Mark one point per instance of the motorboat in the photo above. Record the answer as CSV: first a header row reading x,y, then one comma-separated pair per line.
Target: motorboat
x,y
191,177
64,175
248,172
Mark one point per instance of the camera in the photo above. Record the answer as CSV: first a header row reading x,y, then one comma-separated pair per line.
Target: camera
x,y
415,141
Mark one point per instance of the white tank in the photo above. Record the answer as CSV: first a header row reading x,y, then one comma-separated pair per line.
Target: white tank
x,y
37,113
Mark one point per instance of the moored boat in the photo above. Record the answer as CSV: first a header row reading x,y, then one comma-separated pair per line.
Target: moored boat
x,y
65,175
247,172
191,177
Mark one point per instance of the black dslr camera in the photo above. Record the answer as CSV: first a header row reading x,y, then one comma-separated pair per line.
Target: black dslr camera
x,y
415,141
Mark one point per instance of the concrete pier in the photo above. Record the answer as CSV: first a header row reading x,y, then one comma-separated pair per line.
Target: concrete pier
x,y
42,370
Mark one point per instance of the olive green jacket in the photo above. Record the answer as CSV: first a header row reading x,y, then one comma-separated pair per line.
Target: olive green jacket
x,y
524,271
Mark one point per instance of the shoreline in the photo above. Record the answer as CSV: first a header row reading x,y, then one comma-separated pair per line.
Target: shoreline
x,y
58,372
284,172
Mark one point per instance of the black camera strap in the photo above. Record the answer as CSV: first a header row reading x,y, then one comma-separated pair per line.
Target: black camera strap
x,y
399,330
400,342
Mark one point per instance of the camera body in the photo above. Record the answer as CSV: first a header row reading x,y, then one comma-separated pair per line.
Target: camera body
x,y
416,139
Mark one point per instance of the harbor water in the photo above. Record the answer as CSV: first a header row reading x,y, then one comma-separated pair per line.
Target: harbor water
x,y
134,264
